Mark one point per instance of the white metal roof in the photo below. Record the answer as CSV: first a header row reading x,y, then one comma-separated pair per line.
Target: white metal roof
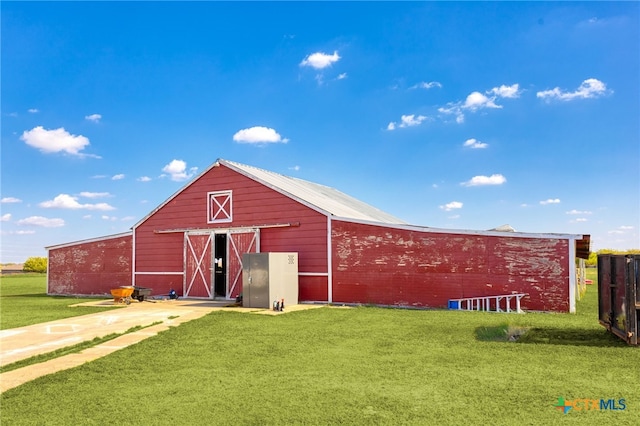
x,y
327,199
342,206
90,240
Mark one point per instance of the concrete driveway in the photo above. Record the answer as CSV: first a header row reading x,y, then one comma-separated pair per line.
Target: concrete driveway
x,y
20,343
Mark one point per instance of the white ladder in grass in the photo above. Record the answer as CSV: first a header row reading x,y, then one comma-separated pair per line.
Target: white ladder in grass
x,y
488,303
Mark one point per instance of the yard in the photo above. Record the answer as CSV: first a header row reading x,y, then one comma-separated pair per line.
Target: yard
x,y
339,365
24,301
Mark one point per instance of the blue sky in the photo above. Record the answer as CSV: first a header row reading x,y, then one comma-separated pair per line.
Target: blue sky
x,y
449,115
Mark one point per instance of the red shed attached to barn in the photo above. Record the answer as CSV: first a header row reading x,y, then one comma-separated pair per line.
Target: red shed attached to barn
x,y
348,251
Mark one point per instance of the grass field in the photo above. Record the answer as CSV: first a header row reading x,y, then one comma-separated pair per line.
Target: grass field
x,y
24,301
348,366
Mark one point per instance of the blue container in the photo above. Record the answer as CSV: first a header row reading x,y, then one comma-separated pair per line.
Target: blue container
x,y
454,304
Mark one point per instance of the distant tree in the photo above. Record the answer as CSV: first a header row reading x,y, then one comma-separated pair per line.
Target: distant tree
x,y
592,260
593,256
35,264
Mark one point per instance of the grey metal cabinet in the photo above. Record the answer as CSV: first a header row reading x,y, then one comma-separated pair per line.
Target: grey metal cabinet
x,y
268,278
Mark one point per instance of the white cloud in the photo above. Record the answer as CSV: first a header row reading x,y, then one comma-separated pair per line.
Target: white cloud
x,y
119,176
42,221
144,179
581,219
127,218
578,212
407,121
621,230
86,194
58,140
177,170
426,85
590,88
93,117
320,60
66,201
258,135
109,218
295,168
5,217
10,200
451,206
550,201
33,110
477,100
86,216
495,179
475,144
504,91
342,76
412,120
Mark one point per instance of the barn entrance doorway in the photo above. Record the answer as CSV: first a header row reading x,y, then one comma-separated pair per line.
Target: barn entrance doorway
x,y
213,261
220,266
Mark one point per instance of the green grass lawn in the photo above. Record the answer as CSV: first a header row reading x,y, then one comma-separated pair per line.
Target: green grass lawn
x,y
24,301
347,366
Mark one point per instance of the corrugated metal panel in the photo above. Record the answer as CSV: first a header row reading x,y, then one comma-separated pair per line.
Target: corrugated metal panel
x,y
325,198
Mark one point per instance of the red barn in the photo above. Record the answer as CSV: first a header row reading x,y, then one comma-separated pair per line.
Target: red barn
x,y
349,251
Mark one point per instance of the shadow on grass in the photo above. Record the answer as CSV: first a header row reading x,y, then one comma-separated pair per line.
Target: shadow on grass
x,y
571,336
548,336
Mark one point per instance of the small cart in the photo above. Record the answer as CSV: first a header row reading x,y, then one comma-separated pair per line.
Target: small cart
x,y
140,293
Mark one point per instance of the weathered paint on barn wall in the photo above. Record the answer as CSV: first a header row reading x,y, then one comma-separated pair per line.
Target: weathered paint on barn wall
x,y
253,205
371,263
90,268
383,265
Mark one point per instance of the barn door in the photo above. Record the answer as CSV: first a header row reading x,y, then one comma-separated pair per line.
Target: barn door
x,y
197,265
239,243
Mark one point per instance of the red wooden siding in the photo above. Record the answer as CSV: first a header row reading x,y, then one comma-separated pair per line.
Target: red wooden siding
x,y
161,284
380,265
90,268
253,205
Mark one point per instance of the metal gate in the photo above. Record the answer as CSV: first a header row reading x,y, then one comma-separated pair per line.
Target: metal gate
x,y
619,295
199,255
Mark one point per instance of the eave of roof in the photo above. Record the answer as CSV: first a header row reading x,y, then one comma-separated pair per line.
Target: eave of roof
x,y
328,200
321,198
90,240
341,206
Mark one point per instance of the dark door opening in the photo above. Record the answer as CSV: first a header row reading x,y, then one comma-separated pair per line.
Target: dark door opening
x,y
220,266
